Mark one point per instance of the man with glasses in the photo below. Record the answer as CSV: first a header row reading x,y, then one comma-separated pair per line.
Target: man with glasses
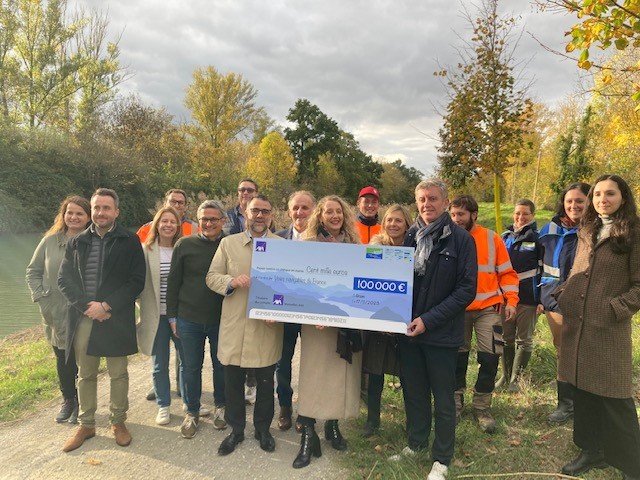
x,y
245,343
194,314
177,199
236,216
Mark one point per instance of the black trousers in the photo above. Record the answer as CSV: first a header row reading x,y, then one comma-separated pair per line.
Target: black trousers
x,y
609,425
427,371
235,411
67,373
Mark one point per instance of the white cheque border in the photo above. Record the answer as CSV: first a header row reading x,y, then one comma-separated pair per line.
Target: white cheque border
x,y
328,320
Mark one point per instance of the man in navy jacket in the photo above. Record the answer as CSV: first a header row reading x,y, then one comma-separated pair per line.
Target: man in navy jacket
x,y
445,276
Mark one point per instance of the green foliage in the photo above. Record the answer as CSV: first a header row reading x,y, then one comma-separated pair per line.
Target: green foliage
x,y
398,182
488,114
222,106
315,134
572,156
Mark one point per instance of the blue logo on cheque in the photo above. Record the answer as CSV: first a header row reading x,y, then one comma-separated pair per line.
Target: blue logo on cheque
x,y
278,299
261,246
379,285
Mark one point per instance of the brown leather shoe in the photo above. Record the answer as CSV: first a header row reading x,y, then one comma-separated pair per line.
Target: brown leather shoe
x,y
123,437
82,434
284,420
299,426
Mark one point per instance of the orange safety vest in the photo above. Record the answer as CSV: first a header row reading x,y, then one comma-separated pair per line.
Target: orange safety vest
x,y
497,280
366,232
188,228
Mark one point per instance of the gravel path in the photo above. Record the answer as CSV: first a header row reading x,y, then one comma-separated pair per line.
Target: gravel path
x,y
32,447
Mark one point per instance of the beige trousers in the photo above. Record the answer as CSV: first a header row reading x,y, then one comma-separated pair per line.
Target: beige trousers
x,y
88,366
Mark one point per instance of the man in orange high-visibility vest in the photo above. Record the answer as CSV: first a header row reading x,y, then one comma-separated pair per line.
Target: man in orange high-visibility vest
x,y
368,206
177,199
497,285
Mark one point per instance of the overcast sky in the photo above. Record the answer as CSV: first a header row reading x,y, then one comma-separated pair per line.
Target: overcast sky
x,y
368,64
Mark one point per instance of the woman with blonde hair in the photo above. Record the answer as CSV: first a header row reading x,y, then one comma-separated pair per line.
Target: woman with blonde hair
x,y
331,358
379,355
74,216
154,330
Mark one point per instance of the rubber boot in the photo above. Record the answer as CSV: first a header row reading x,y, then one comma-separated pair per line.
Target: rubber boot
x,y
565,404
520,362
309,446
507,366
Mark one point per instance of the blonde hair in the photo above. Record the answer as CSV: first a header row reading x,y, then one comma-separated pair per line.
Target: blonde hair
x,y
383,238
348,223
153,231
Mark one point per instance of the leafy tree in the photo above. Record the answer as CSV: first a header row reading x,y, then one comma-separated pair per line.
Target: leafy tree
x,y
273,168
222,106
603,23
488,114
328,179
398,182
573,159
55,67
314,134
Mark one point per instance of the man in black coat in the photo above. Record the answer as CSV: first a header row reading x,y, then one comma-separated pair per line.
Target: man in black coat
x,y
102,273
445,276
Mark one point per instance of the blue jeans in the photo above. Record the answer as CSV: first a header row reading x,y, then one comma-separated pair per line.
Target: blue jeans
x,y
160,361
283,367
193,336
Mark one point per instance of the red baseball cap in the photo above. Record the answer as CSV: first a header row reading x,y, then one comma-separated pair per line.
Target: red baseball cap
x,y
369,191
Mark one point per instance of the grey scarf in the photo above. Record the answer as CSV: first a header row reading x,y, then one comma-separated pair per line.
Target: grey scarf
x,y
426,238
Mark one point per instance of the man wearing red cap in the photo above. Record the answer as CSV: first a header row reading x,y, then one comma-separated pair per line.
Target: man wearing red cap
x,y
368,206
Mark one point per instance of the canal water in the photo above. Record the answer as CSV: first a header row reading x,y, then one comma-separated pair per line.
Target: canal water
x,y
17,311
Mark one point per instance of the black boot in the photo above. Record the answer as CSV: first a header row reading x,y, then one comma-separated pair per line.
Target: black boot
x,y
332,433
373,412
584,462
309,445
565,404
66,409
508,354
73,418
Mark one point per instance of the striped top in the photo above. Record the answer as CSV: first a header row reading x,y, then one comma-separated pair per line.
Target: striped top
x,y
165,266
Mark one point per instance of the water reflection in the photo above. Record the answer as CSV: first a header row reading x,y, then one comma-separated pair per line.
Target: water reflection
x,y
17,311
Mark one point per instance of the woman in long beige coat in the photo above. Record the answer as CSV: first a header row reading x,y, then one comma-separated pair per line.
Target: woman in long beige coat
x,y
598,301
329,385
73,217
153,329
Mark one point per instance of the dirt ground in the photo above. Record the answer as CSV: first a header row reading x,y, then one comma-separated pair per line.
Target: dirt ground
x,y
31,448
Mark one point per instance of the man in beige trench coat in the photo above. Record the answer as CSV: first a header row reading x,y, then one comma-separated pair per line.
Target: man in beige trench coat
x,y
244,342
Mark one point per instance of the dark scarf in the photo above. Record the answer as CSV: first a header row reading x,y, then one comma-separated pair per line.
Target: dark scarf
x,y
368,221
426,238
349,340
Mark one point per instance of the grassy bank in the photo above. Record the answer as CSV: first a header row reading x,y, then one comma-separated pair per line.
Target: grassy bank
x,y
27,373
525,441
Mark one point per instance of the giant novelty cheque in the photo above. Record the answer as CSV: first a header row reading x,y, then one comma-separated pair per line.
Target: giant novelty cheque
x,y
368,287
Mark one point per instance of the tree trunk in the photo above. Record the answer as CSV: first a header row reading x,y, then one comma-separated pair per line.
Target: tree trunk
x,y
496,202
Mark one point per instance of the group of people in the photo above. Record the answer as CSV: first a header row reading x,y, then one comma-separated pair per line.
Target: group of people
x,y
191,283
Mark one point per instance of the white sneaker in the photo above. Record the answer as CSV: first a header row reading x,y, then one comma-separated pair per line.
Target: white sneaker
x,y
219,422
204,412
250,395
163,416
406,452
438,471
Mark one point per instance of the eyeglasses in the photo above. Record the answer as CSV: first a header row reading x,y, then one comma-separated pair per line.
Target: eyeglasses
x,y
177,202
263,211
204,220
246,190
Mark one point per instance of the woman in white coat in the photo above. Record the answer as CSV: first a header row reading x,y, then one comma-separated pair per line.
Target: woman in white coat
x,y
330,358
154,330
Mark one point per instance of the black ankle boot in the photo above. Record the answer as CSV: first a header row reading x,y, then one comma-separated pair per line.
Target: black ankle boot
x,y
584,462
332,433
66,409
309,445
